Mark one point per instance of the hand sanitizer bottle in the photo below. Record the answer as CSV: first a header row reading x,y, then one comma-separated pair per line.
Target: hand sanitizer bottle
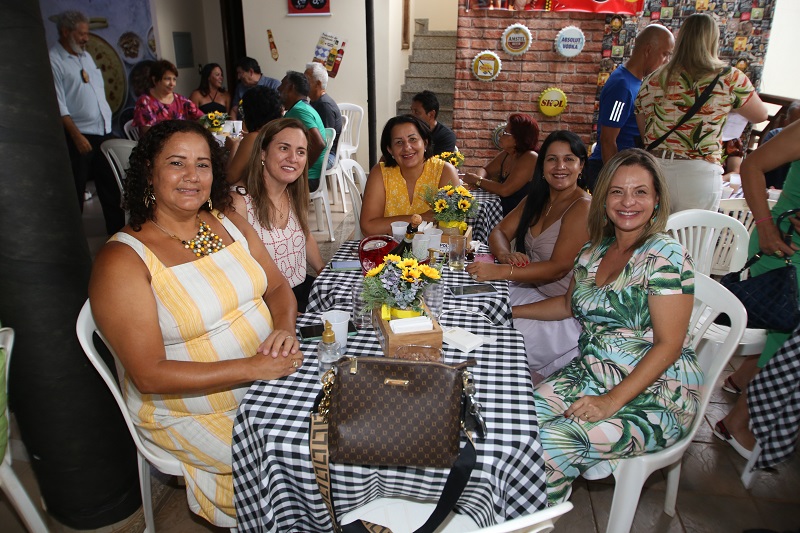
x,y
328,350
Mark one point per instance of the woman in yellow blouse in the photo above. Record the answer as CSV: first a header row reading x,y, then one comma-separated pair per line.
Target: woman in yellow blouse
x,y
396,185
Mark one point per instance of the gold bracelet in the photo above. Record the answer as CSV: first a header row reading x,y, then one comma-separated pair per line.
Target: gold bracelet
x,y
512,271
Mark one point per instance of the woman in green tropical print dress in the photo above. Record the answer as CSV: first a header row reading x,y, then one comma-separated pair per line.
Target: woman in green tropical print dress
x,y
634,387
690,156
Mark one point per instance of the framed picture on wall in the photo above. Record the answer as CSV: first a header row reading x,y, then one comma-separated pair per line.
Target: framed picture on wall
x,y
308,8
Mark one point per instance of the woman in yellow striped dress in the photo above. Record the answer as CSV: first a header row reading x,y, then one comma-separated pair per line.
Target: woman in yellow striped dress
x,y
183,295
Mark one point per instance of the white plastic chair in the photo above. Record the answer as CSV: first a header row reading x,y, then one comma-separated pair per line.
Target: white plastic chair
x,y
711,299
337,180
348,144
537,522
9,481
146,452
708,235
738,209
131,131
320,196
118,152
355,180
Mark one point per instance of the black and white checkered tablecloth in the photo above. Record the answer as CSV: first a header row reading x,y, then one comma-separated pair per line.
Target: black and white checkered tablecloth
x,y
274,484
333,290
490,214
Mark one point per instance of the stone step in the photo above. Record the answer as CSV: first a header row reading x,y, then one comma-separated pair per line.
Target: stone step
x,y
433,56
431,70
445,99
435,42
437,85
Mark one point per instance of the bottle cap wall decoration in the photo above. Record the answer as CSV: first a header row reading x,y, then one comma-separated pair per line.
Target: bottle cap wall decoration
x,y
516,39
552,101
486,65
497,133
570,41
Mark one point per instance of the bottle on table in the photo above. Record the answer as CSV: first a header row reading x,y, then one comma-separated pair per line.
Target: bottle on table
x,y
328,350
405,245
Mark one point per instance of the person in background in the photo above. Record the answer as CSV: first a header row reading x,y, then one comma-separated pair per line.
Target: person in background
x,y
634,388
85,115
425,106
248,72
550,228
194,308
276,201
260,105
294,90
690,156
784,148
395,185
161,102
776,177
509,178
616,122
211,95
323,104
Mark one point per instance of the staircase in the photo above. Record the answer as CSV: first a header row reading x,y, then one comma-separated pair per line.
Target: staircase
x,y
432,66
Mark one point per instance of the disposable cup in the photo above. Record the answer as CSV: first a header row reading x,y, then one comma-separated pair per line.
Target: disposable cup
x,y
338,320
435,235
399,230
419,246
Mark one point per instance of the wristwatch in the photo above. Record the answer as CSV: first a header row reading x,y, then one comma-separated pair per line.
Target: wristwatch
x,y
478,183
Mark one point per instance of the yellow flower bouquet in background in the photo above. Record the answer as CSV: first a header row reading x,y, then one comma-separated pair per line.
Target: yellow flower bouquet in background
x,y
452,206
214,121
454,158
398,283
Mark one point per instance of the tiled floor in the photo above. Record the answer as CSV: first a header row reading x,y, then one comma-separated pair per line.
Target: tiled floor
x,y
711,497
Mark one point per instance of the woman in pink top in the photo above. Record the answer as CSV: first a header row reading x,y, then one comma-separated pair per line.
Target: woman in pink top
x,y
161,102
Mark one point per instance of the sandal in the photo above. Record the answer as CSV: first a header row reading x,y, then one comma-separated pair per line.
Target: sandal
x,y
729,386
721,432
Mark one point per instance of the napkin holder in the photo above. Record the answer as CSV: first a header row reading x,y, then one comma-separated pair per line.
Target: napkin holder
x,y
391,341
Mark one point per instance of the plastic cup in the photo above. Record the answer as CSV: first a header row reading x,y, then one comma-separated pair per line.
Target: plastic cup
x,y
361,317
338,320
419,246
457,252
399,230
434,299
435,235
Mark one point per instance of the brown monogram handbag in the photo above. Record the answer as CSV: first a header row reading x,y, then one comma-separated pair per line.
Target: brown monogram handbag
x,y
390,412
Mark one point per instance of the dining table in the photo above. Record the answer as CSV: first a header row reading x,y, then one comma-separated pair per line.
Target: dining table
x,y
490,214
274,485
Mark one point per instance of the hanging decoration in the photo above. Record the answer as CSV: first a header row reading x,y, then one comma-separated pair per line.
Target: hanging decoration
x,y
486,65
517,39
497,133
570,41
552,102
629,7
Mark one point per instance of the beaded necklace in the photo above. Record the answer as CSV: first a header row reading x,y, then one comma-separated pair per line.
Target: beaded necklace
x,y
206,242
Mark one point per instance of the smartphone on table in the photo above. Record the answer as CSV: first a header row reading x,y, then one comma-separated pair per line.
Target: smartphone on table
x,y
466,291
354,264
314,332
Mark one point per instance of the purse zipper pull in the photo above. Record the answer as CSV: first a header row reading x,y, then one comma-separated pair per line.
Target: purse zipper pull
x,y
354,365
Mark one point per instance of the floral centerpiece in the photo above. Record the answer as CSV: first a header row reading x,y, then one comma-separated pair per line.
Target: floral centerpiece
x,y
452,206
214,120
454,158
396,286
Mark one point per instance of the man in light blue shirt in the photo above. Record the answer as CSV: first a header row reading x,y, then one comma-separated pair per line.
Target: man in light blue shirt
x,y
85,114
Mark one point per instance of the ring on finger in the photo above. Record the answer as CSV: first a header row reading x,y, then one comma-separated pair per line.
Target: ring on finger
x,y
295,363
778,253
475,277
290,337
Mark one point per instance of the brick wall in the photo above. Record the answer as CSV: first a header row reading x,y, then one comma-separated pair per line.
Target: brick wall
x,y
480,106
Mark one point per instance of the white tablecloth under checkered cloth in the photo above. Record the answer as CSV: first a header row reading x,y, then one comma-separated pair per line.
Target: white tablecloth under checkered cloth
x,y
274,483
490,214
333,290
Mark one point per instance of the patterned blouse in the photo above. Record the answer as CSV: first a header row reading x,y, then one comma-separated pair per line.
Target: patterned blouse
x,y
149,111
700,137
397,191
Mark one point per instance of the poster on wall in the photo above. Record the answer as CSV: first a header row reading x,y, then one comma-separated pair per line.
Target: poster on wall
x,y
629,7
330,52
122,43
309,8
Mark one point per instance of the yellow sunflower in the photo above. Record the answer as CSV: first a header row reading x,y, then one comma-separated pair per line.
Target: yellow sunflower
x,y
440,205
375,271
464,204
430,272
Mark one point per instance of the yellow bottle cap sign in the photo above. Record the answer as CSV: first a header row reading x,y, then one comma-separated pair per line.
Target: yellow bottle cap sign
x,y
552,102
486,65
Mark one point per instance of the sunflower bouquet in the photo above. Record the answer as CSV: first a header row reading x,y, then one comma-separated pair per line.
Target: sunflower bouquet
x,y
214,120
451,205
398,282
454,158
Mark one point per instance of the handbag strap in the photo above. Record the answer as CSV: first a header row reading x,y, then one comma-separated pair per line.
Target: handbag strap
x,y
787,238
698,103
453,487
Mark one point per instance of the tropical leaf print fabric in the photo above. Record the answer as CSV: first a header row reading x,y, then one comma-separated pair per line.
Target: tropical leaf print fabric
x,y
617,333
700,137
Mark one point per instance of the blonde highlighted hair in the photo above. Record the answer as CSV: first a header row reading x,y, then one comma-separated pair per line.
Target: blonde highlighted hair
x,y
696,51
600,226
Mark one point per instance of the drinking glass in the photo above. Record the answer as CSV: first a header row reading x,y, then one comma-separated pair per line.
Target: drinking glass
x,y
362,318
399,230
457,252
434,298
419,246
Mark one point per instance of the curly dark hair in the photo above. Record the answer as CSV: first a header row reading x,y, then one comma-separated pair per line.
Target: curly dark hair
x,y
140,172
386,136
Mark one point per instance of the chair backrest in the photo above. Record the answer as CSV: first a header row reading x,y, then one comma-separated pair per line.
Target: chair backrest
x,y
322,190
537,522
6,345
85,328
355,116
131,131
738,209
118,152
356,180
712,239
